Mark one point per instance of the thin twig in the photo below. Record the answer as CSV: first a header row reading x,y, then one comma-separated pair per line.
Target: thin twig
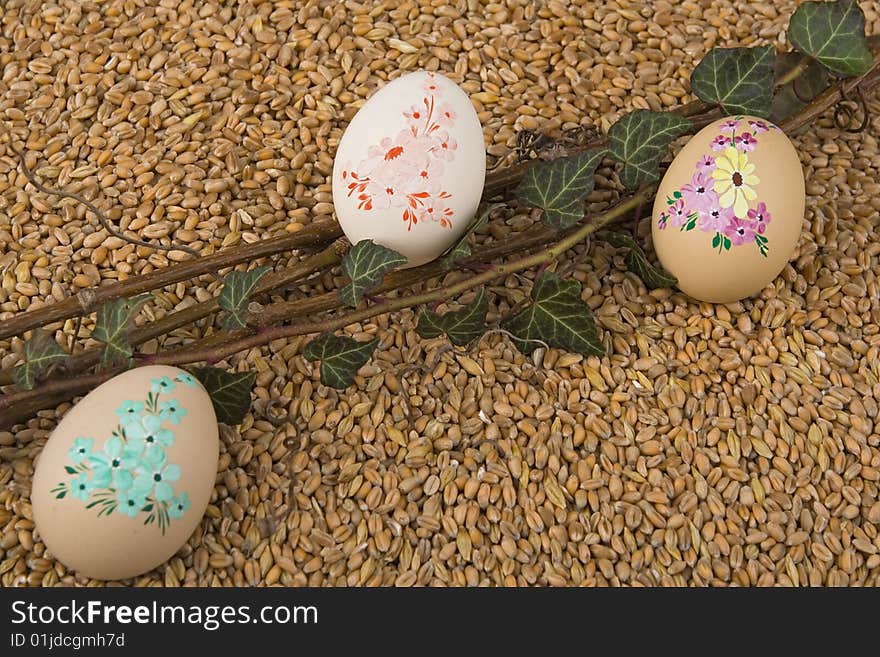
x,y
94,209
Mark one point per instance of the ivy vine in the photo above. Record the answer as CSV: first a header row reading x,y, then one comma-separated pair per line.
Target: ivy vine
x,y
830,43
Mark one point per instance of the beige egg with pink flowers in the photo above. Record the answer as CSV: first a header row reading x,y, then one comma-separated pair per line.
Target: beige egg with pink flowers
x,y
729,211
410,167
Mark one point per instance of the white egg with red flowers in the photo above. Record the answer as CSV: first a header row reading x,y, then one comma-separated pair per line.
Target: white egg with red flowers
x,y
410,167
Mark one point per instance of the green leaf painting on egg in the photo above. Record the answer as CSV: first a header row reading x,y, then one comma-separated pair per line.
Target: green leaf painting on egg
x,y
129,474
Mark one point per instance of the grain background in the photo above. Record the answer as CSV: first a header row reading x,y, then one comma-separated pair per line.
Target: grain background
x,y
713,445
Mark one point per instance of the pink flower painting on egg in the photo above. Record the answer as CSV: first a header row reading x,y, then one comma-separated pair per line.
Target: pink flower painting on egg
x,y
678,214
714,218
760,217
706,164
401,172
718,198
698,194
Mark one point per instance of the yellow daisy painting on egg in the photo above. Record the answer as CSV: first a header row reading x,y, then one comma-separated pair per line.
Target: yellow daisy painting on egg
x,y
734,180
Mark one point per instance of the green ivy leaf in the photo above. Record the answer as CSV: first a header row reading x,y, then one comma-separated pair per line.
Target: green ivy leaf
x,y
653,277
340,356
112,324
640,139
41,355
461,326
556,316
230,392
237,287
740,80
559,187
365,264
462,249
833,33
637,262
459,251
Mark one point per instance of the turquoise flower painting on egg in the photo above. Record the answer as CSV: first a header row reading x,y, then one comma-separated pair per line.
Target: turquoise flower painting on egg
x,y
129,473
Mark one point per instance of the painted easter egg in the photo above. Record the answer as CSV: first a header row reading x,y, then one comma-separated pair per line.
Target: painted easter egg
x,y
410,167
729,210
127,474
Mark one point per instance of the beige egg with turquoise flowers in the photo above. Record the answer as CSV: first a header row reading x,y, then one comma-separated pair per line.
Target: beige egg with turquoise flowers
x,y
729,211
127,474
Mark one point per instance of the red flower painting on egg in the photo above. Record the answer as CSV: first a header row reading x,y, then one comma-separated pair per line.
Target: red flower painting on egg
x,y
403,172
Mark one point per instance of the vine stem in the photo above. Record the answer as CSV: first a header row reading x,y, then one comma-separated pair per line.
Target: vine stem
x,y
80,362
795,71
312,235
269,334
247,339
23,403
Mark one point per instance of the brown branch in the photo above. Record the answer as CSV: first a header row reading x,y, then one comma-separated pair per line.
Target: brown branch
x,y
237,341
18,405
272,281
312,235
497,182
833,95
